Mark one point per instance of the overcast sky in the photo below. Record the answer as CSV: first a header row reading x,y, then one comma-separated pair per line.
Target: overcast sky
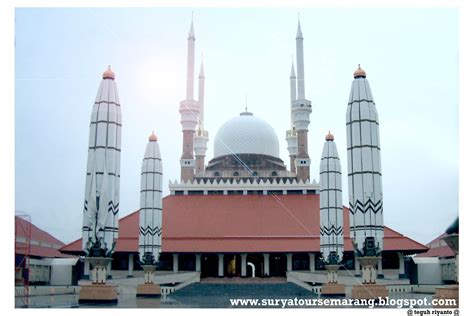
x,y
410,56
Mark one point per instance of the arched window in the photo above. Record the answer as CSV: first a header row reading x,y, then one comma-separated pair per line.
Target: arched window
x,y
216,174
255,173
274,173
236,173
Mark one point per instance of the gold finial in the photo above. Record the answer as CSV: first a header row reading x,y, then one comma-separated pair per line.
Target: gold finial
x,y
329,136
359,73
153,137
108,74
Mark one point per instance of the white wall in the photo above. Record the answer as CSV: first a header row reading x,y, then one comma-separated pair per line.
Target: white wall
x,y
429,270
61,275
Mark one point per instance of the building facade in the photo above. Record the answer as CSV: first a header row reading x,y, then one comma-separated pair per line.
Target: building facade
x,y
245,213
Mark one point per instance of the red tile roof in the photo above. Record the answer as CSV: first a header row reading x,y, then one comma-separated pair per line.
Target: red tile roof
x,y
38,251
438,248
242,223
42,244
21,228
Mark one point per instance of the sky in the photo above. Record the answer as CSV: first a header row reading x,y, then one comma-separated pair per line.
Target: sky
x,y
410,56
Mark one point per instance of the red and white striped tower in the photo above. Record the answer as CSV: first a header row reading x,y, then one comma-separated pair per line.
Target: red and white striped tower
x,y
301,110
189,110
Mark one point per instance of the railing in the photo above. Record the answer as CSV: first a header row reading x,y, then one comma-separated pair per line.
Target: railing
x,y
400,288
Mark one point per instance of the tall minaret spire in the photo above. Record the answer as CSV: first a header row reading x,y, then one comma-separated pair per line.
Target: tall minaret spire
x,y
190,69
300,61
202,136
301,110
293,84
201,95
291,136
189,109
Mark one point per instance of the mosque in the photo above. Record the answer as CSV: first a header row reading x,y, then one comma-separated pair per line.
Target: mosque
x,y
245,213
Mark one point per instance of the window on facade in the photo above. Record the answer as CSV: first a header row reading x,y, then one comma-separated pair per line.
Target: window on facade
x,y
236,174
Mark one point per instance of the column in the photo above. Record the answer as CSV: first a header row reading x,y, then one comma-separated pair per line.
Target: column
x,y
130,265
266,264
220,273
243,265
289,262
357,267
379,269
175,262
198,262
401,265
312,266
87,267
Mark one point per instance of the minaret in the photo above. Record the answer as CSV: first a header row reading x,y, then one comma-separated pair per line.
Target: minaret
x,y
189,110
101,205
365,177
301,109
331,216
291,136
202,136
149,240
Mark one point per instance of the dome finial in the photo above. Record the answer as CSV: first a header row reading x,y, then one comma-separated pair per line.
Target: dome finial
x,y
153,137
329,137
108,74
246,105
359,73
246,108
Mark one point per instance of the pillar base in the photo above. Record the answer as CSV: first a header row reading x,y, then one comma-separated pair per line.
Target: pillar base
x,y
449,292
98,294
333,290
148,290
369,291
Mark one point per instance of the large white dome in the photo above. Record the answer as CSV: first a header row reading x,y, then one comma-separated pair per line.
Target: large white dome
x,y
246,134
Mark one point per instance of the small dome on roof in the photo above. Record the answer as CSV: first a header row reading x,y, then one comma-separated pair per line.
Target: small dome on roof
x,y
359,73
329,137
108,74
153,137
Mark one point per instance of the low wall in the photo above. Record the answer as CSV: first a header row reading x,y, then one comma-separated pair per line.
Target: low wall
x,y
169,281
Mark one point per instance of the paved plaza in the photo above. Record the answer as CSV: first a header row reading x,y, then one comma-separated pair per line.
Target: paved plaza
x,y
213,293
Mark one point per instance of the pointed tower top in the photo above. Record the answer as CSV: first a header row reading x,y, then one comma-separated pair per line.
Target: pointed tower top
x,y
201,71
329,137
292,74
191,29
108,74
299,34
153,137
359,73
